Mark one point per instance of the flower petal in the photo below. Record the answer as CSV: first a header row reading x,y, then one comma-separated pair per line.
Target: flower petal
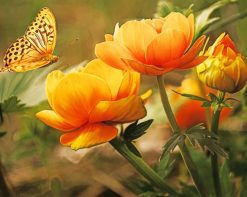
x,y
189,56
76,94
52,80
176,20
124,110
169,45
113,77
52,119
130,84
147,69
89,135
136,35
112,53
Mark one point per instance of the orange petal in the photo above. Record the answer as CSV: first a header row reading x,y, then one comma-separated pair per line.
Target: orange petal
x,y
76,94
52,119
52,81
147,69
113,77
189,56
130,84
112,53
89,135
195,62
178,21
124,110
167,46
136,35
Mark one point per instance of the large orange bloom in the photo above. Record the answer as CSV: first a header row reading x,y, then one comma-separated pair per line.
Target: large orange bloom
x,y
152,47
87,104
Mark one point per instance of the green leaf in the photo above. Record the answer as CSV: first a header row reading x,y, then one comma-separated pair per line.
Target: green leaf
x,y
203,20
135,130
205,139
227,187
12,104
165,166
192,97
176,138
213,97
2,133
133,149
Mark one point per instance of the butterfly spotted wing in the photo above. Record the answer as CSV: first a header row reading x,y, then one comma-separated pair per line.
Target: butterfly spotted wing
x,y
35,48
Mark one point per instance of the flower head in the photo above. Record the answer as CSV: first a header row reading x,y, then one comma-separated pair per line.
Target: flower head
x,y
225,68
87,104
152,47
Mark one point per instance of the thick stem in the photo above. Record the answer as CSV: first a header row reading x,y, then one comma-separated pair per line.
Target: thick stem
x,y
214,158
142,167
183,150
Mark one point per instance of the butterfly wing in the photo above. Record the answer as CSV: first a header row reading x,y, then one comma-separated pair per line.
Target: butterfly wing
x,y
35,48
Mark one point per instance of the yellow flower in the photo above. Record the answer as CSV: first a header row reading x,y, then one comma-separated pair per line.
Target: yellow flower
x,y
153,47
225,69
87,104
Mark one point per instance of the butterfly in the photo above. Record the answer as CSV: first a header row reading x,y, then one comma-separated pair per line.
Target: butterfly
x,y
35,48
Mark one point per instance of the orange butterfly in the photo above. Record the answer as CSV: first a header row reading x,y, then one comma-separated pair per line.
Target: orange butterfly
x,y
35,48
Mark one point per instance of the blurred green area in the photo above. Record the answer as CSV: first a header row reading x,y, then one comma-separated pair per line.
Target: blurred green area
x,y
32,160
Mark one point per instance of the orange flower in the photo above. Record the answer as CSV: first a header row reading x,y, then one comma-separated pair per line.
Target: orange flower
x,y
225,68
152,47
189,112
87,104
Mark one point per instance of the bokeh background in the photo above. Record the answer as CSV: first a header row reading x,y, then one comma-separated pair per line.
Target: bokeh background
x,y
33,163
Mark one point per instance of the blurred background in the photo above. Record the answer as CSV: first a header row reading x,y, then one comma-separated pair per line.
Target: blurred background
x,y
33,163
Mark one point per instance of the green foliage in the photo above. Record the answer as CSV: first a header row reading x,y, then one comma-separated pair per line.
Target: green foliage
x,y
203,20
216,102
12,104
196,135
188,190
135,130
225,178
133,148
165,166
165,7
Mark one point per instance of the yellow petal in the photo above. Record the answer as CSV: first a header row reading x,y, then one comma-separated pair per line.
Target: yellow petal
x,y
113,77
52,80
89,135
52,119
76,94
124,110
130,84
146,95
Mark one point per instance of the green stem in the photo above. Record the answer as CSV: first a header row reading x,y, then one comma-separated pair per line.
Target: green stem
x,y
142,167
214,158
183,150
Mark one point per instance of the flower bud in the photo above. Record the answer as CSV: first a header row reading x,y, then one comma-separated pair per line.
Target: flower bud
x,y
225,68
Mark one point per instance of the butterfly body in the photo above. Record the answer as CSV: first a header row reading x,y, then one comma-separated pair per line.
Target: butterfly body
x,y
35,48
